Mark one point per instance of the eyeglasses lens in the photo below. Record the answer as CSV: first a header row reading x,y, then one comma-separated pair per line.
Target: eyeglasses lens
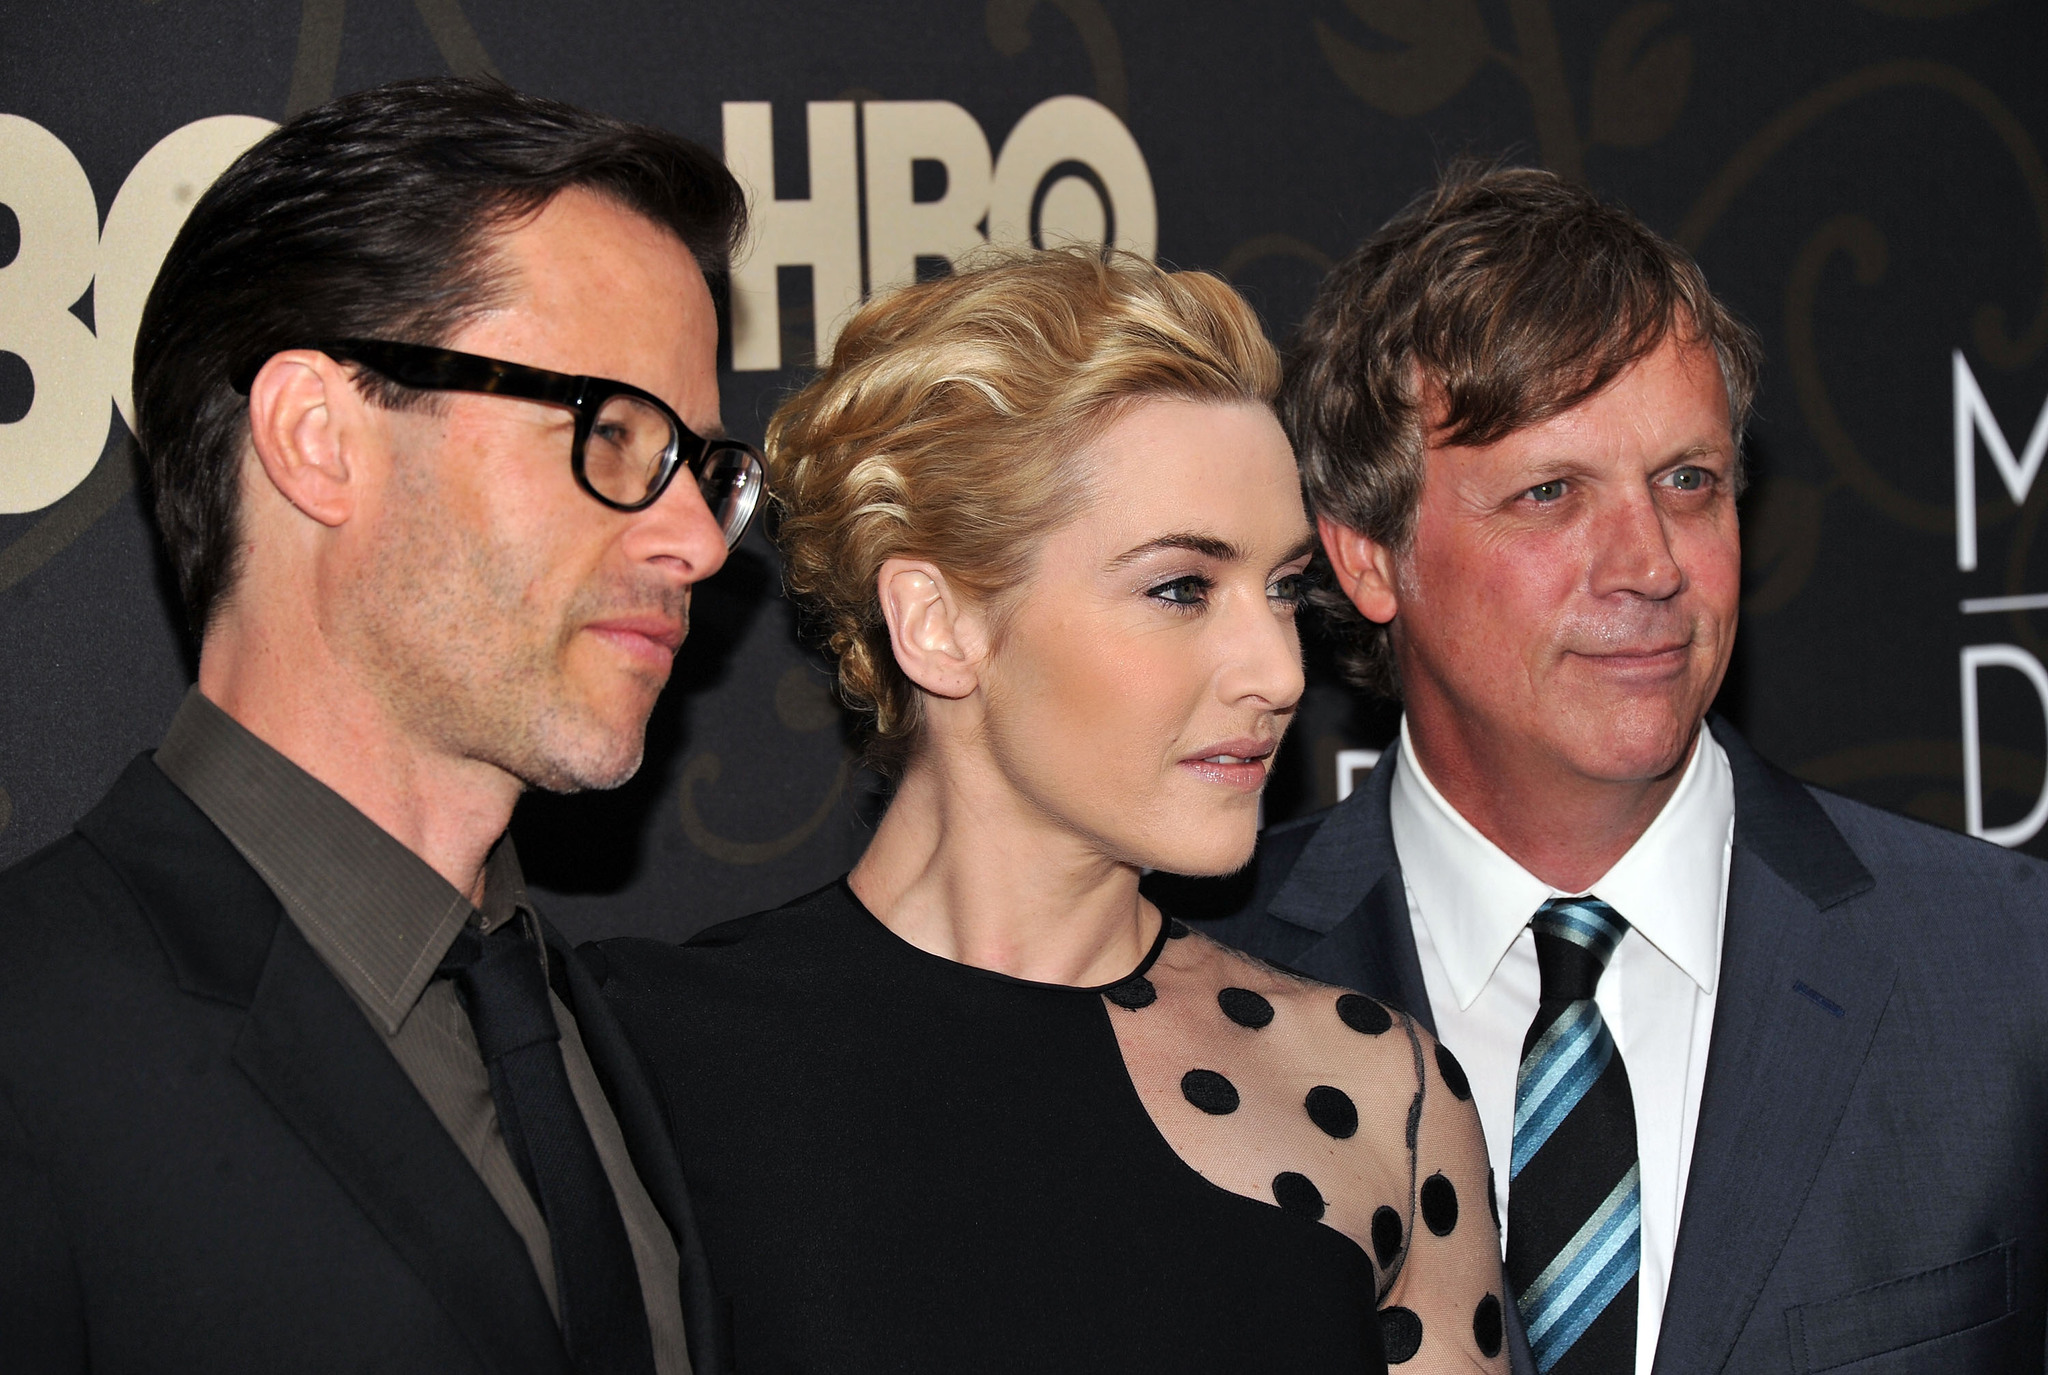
x,y
730,479
628,449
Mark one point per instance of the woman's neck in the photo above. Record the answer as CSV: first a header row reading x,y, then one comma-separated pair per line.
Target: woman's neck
x,y
965,868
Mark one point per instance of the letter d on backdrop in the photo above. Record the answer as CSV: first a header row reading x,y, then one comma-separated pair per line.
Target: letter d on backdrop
x,y
1977,657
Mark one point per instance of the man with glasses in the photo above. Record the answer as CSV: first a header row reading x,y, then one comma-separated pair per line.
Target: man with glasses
x,y
292,1077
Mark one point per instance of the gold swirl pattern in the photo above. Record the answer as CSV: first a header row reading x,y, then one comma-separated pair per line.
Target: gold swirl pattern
x,y
1009,30
803,703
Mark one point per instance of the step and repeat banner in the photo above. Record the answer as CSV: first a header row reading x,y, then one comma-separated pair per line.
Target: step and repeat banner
x,y
1862,179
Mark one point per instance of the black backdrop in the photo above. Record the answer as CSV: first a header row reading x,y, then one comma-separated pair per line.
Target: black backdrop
x,y
1862,181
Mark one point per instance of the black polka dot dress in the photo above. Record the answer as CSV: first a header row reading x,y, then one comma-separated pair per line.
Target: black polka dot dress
x,y
904,1164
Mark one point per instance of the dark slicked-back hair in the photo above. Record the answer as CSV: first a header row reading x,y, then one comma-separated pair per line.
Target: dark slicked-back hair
x,y
372,216
1499,299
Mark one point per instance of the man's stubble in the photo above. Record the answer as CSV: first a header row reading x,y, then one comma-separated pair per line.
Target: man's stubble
x,y
456,630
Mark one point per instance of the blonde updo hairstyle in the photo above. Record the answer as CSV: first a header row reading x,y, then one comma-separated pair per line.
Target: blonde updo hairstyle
x,y
951,426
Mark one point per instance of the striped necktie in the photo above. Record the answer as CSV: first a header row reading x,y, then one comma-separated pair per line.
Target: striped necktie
x,y
1574,1200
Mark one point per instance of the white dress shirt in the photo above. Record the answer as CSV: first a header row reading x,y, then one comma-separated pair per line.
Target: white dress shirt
x,y
1470,906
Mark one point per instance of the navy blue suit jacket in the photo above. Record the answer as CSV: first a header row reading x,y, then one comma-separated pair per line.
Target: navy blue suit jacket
x,y
1869,1185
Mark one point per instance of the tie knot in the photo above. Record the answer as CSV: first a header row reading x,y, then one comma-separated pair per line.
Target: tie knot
x,y
504,987
1575,938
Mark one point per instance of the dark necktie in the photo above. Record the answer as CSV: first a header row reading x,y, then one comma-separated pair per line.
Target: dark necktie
x,y
1574,1198
504,985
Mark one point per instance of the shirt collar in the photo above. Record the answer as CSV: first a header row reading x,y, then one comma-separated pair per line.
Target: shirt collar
x,y
1476,900
378,914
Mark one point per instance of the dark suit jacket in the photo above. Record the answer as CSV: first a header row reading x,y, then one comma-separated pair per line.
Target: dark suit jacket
x,y
209,1161
1869,1185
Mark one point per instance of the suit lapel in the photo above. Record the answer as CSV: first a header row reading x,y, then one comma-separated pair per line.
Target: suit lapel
x,y
1373,950
1347,887
1799,1000
650,1142
313,1055
310,1051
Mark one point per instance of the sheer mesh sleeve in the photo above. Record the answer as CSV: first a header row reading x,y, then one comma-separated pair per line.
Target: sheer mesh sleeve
x,y
1444,1304
1338,1110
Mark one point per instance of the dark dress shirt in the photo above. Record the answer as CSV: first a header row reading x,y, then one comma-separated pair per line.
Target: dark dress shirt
x,y
381,918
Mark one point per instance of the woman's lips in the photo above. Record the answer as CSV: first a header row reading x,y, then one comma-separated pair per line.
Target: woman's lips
x,y
1241,765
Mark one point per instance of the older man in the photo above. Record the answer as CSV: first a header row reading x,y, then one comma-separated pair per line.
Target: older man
x,y
291,1075
1764,1072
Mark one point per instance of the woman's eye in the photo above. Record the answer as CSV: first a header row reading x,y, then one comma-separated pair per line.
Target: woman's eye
x,y
1546,491
1189,591
1291,588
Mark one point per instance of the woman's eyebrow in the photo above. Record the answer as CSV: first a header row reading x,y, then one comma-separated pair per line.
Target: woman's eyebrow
x,y
1208,545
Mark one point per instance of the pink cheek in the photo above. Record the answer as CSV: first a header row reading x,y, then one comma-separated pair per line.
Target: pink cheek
x,y
1148,699
1081,691
1721,565
1504,590
1713,567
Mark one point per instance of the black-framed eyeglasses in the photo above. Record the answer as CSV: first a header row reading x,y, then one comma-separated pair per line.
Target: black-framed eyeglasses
x,y
628,445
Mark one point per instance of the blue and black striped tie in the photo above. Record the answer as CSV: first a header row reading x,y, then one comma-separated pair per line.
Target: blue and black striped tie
x,y
1575,1217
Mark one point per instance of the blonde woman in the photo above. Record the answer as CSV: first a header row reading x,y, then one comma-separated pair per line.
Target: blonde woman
x,y
979,1105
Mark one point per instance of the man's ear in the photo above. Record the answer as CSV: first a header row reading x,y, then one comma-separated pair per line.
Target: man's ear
x,y
939,640
297,406
1364,569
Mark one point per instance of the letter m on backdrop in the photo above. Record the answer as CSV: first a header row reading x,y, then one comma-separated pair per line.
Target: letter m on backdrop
x,y
1974,418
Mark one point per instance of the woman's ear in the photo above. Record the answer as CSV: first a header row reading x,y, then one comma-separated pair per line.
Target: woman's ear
x,y
296,406
939,640
1364,569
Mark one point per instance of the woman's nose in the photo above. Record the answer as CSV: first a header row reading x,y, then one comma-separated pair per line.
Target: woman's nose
x,y
1263,658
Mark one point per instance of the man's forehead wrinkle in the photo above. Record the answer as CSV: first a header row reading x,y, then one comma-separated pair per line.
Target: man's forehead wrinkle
x,y
1556,438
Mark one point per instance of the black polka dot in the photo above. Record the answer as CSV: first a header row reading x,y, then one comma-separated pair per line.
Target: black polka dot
x,y
1400,1334
1175,928
1297,1194
1492,1201
1333,1111
1133,993
1486,1328
1453,1073
1363,1015
1386,1236
1209,1091
1245,1007
1439,1205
